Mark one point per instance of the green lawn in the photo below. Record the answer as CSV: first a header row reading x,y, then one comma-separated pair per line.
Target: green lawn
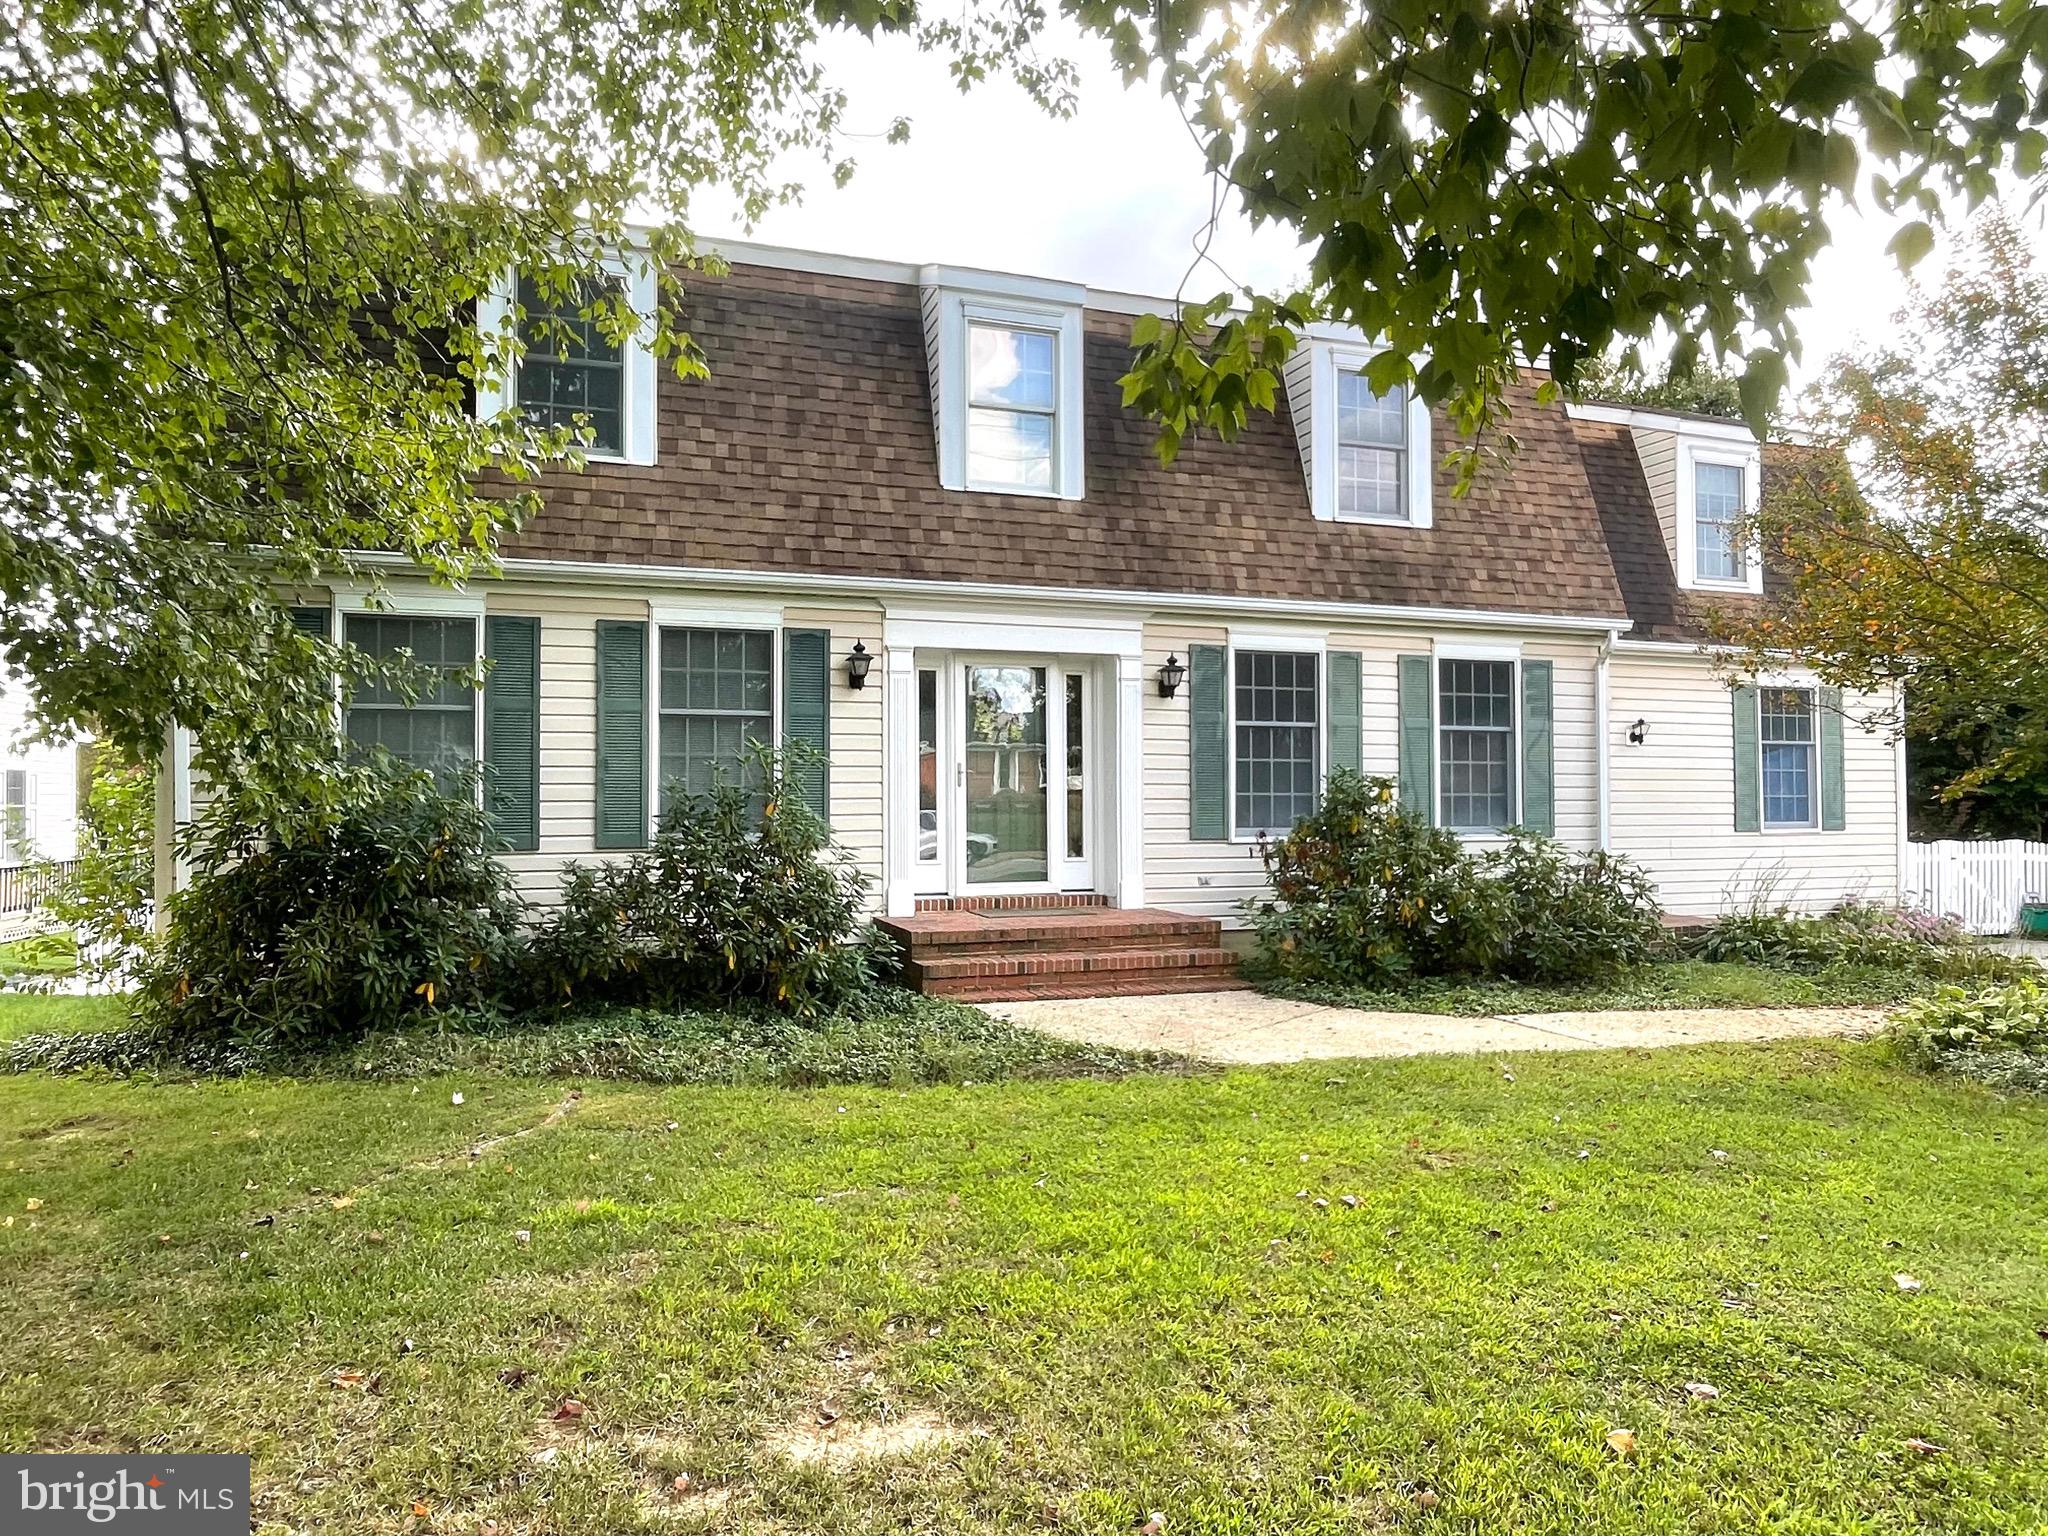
x,y
1061,1303
1666,984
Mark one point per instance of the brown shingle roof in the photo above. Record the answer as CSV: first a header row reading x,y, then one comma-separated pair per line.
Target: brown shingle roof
x,y
810,450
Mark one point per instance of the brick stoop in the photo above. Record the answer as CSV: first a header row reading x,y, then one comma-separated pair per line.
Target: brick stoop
x,y
989,953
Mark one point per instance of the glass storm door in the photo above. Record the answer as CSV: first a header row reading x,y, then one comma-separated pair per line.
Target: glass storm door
x,y
1006,775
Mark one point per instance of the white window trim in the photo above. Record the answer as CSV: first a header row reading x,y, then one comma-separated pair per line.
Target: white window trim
x,y
1328,359
637,396
663,616
1441,652
420,604
1292,645
1062,320
1765,826
1749,459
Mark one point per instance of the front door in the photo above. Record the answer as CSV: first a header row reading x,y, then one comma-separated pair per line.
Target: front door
x,y
1021,741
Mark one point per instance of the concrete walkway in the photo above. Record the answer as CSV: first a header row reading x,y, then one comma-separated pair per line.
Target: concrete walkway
x,y
1248,1027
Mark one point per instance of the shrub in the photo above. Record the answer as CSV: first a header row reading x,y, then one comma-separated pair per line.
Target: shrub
x,y
742,899
1860,934
1573,916
1996,1035
394,910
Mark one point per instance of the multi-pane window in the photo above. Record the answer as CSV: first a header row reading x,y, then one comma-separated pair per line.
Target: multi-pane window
x,y
1476,730
1274,757
1787,732
16,836
571,374
434,728
717,707
1372,441
1012,406
1717,517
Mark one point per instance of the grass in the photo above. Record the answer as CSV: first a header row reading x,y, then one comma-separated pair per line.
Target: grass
x,y
1058,1303
33,1013
1668,984
40,954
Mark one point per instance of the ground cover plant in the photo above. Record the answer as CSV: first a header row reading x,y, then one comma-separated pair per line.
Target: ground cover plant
x,y
1792,1287
1996,1035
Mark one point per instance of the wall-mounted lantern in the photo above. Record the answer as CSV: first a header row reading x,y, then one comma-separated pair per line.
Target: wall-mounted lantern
x,y
1639,733
857,664
1171,676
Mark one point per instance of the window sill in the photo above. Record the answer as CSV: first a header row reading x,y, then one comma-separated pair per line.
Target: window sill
x,y
1374,522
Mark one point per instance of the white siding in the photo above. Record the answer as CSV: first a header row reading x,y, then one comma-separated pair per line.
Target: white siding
x,y
1212,878
1658,452
857,797
1673,804
52,780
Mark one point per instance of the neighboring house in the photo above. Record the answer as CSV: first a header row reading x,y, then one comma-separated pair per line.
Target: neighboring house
x,y
1094,674
38,786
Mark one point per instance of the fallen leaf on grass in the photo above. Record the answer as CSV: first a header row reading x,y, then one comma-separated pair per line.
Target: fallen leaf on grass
x,y
1701,1392
1155,1522
419,1509
341,1202
522,1237
681,1485
513,1376
1426,1499
1906,1282
571,1408
1622,1442
1924,1447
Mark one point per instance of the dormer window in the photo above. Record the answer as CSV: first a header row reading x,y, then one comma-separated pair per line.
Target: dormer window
x,y
1005,359
571,372
1717,517
1366,456
1012,406
1372,440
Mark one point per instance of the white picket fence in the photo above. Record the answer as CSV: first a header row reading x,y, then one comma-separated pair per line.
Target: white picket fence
x,y
22,885
1981,885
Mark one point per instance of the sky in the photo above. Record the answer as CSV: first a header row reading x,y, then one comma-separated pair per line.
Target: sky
x,y
1115,195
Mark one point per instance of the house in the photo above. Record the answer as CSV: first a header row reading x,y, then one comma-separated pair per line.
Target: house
x,y
908,520
38,793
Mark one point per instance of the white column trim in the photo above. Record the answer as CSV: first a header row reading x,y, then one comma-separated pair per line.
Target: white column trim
x,y
899,780
1128,887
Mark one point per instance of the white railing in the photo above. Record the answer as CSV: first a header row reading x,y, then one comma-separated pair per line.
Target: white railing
x,y
1981,885
23,885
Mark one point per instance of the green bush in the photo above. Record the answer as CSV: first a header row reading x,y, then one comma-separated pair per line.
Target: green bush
x,y
1995,1035
1861,934
395,911
1364,896
1573,916
741,899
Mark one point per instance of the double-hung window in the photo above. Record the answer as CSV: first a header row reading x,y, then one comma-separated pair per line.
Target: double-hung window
x,y
570,373
1275,756
1372,448
1717,519
17,836
1787,736
717,699
1012,407
1476,743
434,728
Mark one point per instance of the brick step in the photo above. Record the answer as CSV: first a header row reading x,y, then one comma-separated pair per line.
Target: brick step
x,y
1089,973
932,933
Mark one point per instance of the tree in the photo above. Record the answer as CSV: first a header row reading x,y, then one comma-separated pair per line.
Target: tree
x,y
1480,183
242,247
1704,391
1913,538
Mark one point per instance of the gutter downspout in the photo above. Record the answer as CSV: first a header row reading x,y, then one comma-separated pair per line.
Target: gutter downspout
x,y
1600,731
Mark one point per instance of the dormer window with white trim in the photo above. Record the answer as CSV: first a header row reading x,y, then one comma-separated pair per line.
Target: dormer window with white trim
x,y
1366,456
571,372
1005,360
1718,481
1012,406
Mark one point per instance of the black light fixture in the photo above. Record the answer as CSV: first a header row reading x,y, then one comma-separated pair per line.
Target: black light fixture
x,y
1639,733
857,663
1171,676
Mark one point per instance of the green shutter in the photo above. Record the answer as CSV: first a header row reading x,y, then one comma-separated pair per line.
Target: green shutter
x,y
1347,686
807,711
1749,815
512,729
1833,792
1418,725
1539,795
1208,747
317,622
621,734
